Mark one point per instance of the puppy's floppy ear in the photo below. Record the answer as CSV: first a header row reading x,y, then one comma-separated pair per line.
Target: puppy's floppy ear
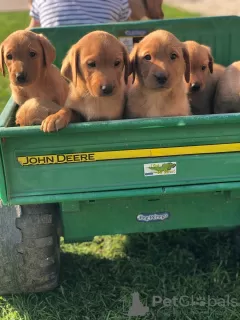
x,y
2,69
133,62
210,58
210,63
49,52
70,67
187,64
126,61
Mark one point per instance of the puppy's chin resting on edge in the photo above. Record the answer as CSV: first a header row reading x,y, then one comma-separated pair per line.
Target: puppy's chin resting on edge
x,y
160,62
96,108
149,103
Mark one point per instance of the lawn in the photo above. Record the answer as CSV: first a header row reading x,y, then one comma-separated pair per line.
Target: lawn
x,y
99,277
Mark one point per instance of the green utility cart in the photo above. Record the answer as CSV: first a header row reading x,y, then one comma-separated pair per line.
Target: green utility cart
x,y
115,177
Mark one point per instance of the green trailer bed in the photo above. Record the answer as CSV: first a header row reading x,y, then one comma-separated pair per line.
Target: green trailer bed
x,y
128,176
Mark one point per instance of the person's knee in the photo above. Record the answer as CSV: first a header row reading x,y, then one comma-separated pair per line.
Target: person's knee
x,y
146,9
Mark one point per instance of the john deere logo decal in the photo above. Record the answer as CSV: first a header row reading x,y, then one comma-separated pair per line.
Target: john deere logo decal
x,y
160,169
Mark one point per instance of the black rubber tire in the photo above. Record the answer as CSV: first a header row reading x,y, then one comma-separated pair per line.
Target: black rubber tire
x,y
29,248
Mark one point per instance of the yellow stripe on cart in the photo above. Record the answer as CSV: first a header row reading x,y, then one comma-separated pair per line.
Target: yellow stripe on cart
x,y
127,154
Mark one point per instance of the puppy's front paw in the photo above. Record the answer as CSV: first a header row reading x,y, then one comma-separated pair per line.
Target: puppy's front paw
x,y
56,121
29,115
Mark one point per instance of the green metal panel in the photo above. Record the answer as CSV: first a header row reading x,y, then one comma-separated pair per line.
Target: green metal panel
x,y
119,216
3,195
105,197
6,116
219,32
234,187
113,175
46,182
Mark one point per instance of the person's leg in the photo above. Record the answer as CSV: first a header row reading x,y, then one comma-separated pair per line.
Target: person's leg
x,y
154,9
138,10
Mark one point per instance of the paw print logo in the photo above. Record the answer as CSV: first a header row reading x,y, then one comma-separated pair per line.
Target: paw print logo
x,y
137,309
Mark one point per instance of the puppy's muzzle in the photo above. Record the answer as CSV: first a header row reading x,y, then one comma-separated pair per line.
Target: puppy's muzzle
x,y
161,78
21,77
195,87
106,90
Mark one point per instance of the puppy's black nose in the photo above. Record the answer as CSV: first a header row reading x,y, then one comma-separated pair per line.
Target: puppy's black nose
x,y
107,90
161,77
20,77
195,87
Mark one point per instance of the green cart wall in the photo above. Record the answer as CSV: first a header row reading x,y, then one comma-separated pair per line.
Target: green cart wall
x,y
111,194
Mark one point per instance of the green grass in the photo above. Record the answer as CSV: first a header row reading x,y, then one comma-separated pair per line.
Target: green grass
x,y
99,277
171,12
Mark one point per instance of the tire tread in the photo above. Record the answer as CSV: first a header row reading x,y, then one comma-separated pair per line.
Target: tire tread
x,y
29,253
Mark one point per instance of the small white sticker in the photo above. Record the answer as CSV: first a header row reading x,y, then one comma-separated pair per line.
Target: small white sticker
x,y
160,169
128,41
153,217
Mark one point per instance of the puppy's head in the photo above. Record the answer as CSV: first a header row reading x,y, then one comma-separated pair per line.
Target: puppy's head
x,y
98,62
26,56
160,61
201,61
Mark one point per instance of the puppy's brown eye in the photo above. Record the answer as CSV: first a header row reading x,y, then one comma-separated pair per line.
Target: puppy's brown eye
x,y
32,54
173,56
9,57
204,68
117,63
147,57
92,64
